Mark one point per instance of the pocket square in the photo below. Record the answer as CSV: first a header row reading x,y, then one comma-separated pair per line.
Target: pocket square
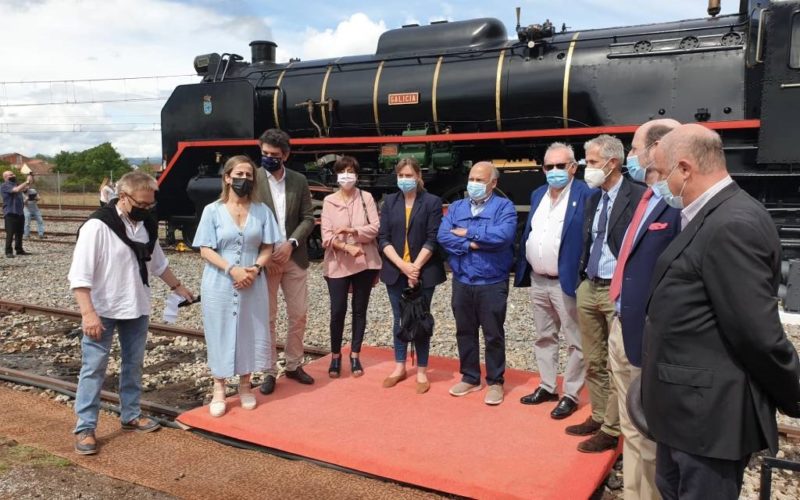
x,y
657,226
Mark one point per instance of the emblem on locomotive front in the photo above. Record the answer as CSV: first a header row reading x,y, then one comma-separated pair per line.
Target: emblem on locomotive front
x,y
207,107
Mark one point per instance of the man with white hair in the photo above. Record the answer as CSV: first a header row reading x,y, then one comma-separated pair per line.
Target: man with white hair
x,y
716,361
608,214
549,252
116,253
478,234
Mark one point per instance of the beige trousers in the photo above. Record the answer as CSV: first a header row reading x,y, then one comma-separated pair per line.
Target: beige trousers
x,y
595,314
293,282
638,452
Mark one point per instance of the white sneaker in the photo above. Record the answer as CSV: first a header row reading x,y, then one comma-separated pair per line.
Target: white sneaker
x,y
248,401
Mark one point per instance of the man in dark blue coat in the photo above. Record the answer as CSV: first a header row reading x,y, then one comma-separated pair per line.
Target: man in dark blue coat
x,y
478,235
549,253
653,227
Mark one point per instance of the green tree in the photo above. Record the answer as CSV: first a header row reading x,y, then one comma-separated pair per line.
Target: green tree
x,y
90,166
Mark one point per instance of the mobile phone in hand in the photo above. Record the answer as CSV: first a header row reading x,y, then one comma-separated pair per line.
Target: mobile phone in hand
x,y
189,302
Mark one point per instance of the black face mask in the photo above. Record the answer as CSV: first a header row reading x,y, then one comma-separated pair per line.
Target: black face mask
x,y
242,186
271,164
139,214
13,179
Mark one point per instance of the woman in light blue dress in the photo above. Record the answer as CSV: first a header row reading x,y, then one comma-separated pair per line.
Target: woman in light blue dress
x,y
235,236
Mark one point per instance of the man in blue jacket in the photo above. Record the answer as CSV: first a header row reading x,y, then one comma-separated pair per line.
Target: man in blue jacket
x,y
549,253
478,234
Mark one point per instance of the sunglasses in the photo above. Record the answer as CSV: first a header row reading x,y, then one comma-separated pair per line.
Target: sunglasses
x,y
561,166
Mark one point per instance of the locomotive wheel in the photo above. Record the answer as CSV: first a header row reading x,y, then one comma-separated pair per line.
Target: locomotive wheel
x,y
187,234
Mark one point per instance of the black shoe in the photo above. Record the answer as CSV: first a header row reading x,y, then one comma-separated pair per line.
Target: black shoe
x,y
336,367
538,396
299,375
268,386
564,409
23,252
9,256
355,367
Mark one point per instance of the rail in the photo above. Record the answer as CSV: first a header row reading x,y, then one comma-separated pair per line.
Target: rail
x,y
156,328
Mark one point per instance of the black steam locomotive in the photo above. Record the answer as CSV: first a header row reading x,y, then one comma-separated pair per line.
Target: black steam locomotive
x,y
453,93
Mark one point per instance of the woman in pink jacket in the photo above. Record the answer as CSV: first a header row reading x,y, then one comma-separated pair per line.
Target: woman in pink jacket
x,y
352,262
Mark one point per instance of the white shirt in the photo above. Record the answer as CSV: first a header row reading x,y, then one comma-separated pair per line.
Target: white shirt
x,y
692,209
106,265
544,242
106,194
278,190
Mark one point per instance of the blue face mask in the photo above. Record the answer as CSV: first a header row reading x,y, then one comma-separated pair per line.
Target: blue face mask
x,y
635,170
557,178
476,190
271,163
406,185
661,188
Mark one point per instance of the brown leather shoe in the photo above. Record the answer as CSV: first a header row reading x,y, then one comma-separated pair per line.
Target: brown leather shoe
x,y
598,443
423,387
588,427
85,442
392,381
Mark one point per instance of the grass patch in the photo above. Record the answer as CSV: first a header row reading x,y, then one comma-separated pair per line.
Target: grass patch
x,y
28,456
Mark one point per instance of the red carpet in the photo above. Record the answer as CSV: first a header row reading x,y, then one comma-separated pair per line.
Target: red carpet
x,y
455,445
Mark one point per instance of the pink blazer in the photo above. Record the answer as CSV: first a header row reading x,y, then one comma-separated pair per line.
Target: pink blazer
x,y
337,214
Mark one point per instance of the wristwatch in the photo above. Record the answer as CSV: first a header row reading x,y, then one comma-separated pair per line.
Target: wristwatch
x,y
294,242
259,267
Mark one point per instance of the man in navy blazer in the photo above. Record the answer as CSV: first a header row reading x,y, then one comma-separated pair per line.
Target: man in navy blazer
x,y
549,252
645,240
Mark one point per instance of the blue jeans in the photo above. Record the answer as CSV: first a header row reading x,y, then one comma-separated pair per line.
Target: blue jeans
x,y
37,215
422,346
94,357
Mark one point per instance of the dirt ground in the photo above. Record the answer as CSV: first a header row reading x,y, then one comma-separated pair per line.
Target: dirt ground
x,y
31,473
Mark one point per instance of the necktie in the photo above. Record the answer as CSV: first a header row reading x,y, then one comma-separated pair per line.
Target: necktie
x,y
597,244
627,245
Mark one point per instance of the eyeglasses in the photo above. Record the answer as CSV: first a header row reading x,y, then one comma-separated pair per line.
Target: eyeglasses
x,y
141,204
561,166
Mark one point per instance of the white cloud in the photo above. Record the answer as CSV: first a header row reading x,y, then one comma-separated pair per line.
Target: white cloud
x,y
356,35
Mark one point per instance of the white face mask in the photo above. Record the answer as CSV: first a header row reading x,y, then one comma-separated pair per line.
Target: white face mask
x,y
595,177
346,179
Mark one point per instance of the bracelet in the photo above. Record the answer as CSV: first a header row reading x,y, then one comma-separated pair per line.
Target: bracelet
x,y
229,268
175,287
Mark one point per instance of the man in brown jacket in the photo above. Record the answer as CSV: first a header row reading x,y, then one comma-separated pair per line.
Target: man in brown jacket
x,y
286,193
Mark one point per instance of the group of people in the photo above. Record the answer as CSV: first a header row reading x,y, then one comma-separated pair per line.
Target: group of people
x,y
20,208
667,275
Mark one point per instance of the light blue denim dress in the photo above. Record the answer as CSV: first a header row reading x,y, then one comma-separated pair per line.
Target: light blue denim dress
x,y
236,322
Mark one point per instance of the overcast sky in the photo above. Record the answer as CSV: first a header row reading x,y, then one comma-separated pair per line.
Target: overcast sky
x,y
44,41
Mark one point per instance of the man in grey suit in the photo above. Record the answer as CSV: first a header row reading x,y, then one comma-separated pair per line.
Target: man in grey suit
x,y
716,362
286,193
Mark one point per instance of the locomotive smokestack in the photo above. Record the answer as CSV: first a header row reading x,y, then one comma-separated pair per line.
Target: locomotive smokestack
x,y
262,51
714,7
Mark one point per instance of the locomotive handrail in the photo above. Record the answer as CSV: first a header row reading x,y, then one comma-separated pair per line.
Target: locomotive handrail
x,y
760,37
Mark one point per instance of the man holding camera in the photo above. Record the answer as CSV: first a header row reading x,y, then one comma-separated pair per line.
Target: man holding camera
x,y
13,212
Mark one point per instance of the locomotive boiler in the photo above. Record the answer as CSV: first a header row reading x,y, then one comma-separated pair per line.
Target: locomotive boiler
x,y
453,93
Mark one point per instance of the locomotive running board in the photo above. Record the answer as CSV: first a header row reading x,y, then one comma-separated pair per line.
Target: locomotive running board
x,y
461,137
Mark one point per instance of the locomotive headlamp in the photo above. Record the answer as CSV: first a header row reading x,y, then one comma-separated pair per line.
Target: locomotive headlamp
x,y
206,63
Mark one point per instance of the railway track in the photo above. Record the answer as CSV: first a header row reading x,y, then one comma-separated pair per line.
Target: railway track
x,y
156,328
68,388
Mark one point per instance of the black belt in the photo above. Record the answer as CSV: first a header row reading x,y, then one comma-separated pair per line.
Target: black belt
x,y
599,281
546,276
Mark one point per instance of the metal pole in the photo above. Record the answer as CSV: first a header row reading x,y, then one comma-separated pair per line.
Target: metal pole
x,y
58,184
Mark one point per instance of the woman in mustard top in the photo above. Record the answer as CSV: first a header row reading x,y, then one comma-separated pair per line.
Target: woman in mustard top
x,y
410,220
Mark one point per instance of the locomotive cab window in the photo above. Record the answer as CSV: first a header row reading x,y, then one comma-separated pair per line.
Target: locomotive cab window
x,y
794,52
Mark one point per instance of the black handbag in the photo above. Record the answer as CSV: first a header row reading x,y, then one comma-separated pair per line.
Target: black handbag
x,y
416,321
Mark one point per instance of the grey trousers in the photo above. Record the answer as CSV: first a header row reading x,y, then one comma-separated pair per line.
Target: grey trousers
x,y
554,312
